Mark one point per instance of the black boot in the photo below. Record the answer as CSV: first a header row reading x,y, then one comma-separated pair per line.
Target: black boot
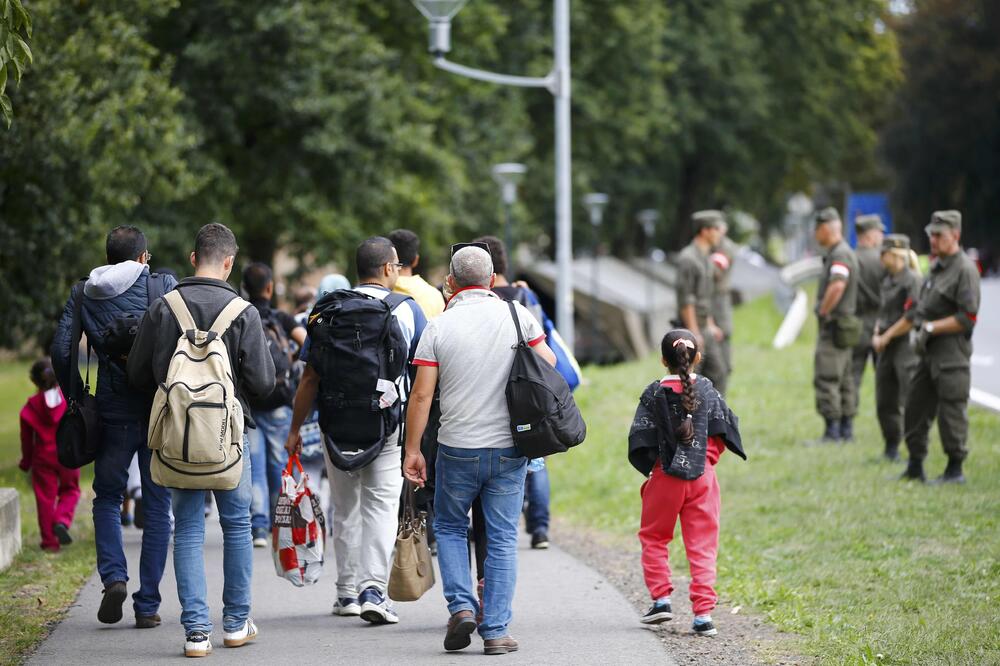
x,y
952,473
914,471
891,452
831,434
846,429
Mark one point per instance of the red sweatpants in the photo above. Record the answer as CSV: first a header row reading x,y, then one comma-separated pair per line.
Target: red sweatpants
x,y
697,503
57,491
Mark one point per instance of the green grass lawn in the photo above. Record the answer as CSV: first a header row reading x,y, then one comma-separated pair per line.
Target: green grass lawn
x,y
825,542
38,587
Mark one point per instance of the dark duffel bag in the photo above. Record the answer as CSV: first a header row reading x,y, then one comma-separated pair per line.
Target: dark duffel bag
x,y
544,418
79,433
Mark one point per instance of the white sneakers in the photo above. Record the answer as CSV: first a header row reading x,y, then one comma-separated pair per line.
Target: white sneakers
x,y
347,607
198,643
241,636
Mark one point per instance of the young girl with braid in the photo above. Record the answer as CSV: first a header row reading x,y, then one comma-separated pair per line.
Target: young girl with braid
x,y
681,427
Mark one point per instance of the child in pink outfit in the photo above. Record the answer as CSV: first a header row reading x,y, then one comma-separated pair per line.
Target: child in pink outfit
x,y
57,489
681,428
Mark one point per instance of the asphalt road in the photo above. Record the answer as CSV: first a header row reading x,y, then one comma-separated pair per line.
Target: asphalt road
x,y
986,346
564,613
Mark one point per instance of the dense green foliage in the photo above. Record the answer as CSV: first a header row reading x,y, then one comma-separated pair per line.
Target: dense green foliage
x,y
310,125
15,54
824,542
944,140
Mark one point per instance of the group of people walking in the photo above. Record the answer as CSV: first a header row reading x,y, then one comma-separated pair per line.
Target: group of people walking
x,y
873,304
283,377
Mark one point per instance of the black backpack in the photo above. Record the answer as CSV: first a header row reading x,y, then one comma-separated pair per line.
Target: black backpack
x,y
355,342
286,372
117,338
544,418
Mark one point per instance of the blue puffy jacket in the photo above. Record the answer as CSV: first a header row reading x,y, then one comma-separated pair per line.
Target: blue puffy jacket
x,y
112,292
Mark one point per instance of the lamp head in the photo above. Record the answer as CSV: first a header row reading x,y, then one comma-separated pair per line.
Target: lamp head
x,y
648,219
595,202
508,175
439,13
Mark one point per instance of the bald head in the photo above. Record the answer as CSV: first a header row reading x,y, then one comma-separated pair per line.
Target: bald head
x,y
472,267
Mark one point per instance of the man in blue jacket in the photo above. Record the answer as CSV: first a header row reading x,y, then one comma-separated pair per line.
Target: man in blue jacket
x,y
114,297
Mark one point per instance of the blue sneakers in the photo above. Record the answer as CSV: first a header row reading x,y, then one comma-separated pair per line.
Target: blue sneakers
x,y
375,607
347,607
659,612
703,626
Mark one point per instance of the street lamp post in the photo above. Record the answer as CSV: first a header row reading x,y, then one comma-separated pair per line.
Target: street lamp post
x,y
439,13
507,175
648,219
595,204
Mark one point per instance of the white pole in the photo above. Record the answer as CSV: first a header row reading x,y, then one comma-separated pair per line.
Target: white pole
x,y
564,194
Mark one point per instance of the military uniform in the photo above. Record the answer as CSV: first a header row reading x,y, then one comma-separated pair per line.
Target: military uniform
x,y
722,301
696,286
870,274
895,365
942,379
832,377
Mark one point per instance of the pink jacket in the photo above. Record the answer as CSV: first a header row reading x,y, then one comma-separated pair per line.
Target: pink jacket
x,y
39,422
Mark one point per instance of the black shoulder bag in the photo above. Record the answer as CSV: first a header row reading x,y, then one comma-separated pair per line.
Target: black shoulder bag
x,y
544,418
79,433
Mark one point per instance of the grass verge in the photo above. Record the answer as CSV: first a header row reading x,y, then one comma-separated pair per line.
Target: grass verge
x,y
38,587
826,543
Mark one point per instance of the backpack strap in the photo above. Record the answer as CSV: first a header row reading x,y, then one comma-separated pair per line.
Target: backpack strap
x,y
517,325
155,287
180,311
229,314
395,299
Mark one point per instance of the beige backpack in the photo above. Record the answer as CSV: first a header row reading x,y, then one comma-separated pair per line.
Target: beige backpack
x,y
196,425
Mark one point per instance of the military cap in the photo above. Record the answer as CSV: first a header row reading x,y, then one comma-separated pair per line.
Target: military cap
x,y
708,219
942,220
896,242
828,214
865,223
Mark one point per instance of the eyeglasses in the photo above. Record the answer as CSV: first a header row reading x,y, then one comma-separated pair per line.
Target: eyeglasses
x,y
461,246
396,264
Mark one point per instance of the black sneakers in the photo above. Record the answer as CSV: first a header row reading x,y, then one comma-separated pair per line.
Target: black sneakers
x,y
540,540
110,611
62,533
914,471
952,474
704,628
147,621
658,613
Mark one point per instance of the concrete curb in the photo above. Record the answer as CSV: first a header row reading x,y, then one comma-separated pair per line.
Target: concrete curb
x,y
10,526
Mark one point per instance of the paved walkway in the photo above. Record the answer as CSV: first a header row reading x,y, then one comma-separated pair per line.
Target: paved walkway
x,y
564,613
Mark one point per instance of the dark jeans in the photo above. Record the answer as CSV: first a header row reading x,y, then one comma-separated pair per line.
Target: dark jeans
x,y
120,442
536,494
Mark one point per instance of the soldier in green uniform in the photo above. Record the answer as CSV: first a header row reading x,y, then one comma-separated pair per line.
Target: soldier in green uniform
x,y
839,328
944,317
896,359
870,232
722,303
696,289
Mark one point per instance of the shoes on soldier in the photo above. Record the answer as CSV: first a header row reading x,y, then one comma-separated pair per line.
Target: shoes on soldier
x,y
891,453
952,474
914,472
846,430
831,434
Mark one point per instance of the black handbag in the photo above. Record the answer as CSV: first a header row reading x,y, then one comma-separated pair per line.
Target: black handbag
x,y
79,433
544,418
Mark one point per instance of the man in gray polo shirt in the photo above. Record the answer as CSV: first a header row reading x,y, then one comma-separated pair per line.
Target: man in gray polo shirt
x,y
469,349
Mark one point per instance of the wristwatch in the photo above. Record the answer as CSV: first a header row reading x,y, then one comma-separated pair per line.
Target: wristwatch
x,y
929,327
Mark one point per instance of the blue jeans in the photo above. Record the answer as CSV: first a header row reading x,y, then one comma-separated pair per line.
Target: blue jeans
x,y
119,442
237,554
496,476
266,445
536,492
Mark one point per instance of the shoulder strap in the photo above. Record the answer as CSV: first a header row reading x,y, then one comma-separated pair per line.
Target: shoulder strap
x,y
155,287
229,314
76,333
395,299
517,324
180,310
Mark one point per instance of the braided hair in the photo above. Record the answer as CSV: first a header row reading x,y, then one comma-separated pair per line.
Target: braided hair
x,y
42,374
679,349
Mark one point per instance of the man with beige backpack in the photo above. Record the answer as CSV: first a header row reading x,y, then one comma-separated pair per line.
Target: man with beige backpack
x,y
202,348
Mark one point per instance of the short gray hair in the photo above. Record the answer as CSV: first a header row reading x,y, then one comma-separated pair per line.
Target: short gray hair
x,y
472,267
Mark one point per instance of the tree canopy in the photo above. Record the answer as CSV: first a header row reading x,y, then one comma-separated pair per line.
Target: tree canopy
x,y
311,125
